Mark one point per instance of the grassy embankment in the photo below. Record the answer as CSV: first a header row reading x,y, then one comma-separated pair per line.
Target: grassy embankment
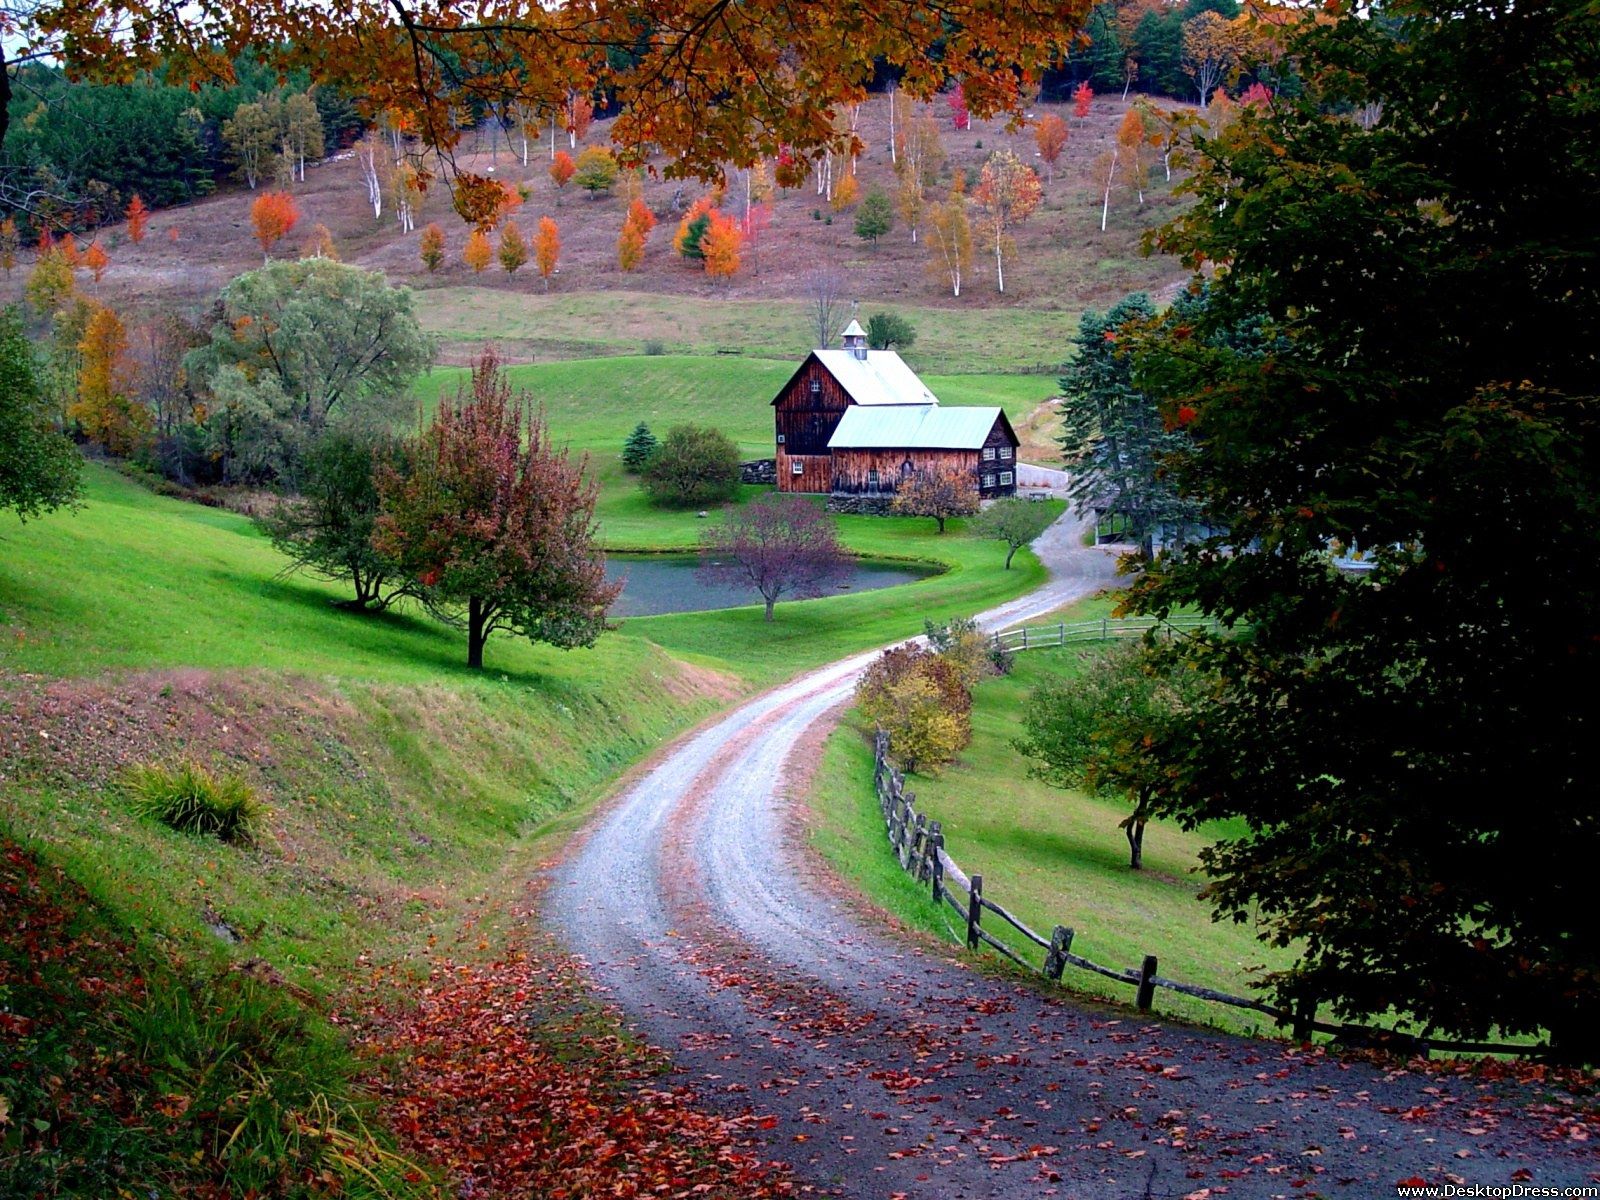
x,y
1052,856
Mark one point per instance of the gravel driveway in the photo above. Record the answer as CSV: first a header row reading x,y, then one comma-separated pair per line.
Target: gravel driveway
x,y
880,1067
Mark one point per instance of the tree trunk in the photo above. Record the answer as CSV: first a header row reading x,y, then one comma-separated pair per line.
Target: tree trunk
x,y
477,631
1010,554
941,523
1105,209
770,603
999,257
1135,833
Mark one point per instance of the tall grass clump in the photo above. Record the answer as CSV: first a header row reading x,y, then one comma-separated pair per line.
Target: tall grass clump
x,y
191,799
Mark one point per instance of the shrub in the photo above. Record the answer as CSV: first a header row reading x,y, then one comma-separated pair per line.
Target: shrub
x,y
191,799
695,466
655,347
921,701
963,645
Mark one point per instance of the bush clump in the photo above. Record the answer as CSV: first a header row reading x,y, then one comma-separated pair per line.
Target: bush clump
x,y
192,799
694,466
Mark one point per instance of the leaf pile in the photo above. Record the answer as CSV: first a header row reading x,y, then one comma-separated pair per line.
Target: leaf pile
x,y
502,1078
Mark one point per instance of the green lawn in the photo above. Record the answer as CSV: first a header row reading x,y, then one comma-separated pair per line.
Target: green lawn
x,y
593,324
1051,856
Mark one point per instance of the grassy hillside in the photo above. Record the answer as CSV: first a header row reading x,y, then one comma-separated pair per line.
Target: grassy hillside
x,y
1050,855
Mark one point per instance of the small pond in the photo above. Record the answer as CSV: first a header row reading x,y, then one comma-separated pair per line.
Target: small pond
x,y
666,583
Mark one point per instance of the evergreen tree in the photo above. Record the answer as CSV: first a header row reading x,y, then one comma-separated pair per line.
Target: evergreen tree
x,y
636,451
875,217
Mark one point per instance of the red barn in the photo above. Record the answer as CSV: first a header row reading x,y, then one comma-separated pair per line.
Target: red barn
x,y
855,421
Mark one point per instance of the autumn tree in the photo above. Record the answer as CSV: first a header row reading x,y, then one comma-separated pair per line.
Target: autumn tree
x,y
547,249
1008,191
40,468
51,283
692,228
950,239
779,545
579,116
272,216
1013,522
513,248
1211,49
320,244
937,492
919,699
1082,100
596,170
956,101
1422,386
1131,141
96,260
251,136
477,253
10,242
1050,135
138,217
104,408
431,247
694,466
917,165
636,227
845,193
495,524
301,131
721,245
562,169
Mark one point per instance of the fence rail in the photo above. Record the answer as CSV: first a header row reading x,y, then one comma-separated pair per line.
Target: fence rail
x,y
918,845
1065,633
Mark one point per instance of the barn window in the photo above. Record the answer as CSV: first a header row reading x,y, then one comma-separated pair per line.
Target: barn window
x,y
1006,478
1005,452
797,467
988,481
872,479
905,467
988,454
780,439
816,387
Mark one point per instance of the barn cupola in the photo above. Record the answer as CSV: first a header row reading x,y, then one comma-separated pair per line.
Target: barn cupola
x,y
854,339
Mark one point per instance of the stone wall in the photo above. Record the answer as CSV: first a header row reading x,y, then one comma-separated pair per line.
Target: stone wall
x,y
761,470
864,506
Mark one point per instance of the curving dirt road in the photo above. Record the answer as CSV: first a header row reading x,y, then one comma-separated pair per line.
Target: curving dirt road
x,y
881,1068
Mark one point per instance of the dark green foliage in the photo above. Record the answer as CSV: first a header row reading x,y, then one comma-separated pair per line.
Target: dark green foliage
x,y
874,216
694,466
889,331
327,528
1113,437
692,237
1105,729
1407,756
39,467
191,799
636,451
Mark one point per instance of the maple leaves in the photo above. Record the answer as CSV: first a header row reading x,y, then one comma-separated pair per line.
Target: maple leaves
x,y
272,216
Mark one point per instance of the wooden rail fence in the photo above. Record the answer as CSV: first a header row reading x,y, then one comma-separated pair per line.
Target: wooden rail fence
x,y
1065,633
919,846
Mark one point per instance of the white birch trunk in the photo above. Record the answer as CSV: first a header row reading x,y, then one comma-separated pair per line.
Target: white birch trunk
x,y
1105,208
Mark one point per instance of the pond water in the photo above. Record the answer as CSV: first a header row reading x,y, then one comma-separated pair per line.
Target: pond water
x,y
666,583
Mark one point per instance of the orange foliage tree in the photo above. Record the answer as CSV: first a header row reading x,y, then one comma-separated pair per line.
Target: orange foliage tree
x,y
845,193
1082,98
10,240
1008,192
547,249
696,222
478,251
320,244
272,215
138,219
431,247
104,409
562,168
721,246
630,246
513,248
1050,135
96,260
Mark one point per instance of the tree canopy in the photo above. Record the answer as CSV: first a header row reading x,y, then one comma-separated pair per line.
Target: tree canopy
x,y
39,466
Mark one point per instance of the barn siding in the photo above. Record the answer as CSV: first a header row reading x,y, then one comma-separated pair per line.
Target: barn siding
x,y
816,472
852,468
1000,439
804,423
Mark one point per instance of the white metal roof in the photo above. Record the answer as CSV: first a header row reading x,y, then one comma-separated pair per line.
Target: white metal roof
x,y
913,427
880,378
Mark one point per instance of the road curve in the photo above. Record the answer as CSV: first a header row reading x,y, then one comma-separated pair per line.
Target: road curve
x,y
880,1068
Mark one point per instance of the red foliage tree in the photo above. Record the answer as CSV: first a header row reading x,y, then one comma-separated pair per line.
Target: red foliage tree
x,y
562,168
138,219
496,524
1051,137
960,118
96,260
273,215
780,545
1081,99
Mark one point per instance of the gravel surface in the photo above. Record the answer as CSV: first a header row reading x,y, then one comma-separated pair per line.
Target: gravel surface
x,y
880,1067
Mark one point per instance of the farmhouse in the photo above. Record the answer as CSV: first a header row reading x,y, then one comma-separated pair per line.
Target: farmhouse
x,y
855,422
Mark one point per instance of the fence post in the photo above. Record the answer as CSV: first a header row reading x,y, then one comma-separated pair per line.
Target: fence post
x,y
974,911
1147,986
919,850
1055,961
935,867
1024,637
1061,634
1105,629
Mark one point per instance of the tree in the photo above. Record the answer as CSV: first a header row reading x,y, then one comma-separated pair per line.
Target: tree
x,y
1211,49
495,524
824,293
138,219
596,170
845,193
105,409
50,284
639,214
937,492
780,545
1102,728
1050,135
371,156
39,467
950,239
1082,99
513,247
875,217
956,101
721,245
546,249
320,244
693,228
272,216
431,247
636,451
10,242
251,136
562,169
299,346
96,260
580,115
918,699
889,331
326,528
630,246
1012,521
302,131
1008,192
1423,387
477,253
694,466
917,165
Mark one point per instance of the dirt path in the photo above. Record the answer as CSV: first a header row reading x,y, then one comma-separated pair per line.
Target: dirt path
x,y
880,1069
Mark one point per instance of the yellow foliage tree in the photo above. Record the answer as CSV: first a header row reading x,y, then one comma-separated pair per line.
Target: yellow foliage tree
x,y
547,249
478,251
104,409
721,246
513,248
845,193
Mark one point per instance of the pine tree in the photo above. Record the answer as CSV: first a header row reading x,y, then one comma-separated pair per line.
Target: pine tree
x,y
636,451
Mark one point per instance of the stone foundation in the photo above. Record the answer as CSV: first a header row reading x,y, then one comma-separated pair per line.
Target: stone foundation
x,y
878,505
761,470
